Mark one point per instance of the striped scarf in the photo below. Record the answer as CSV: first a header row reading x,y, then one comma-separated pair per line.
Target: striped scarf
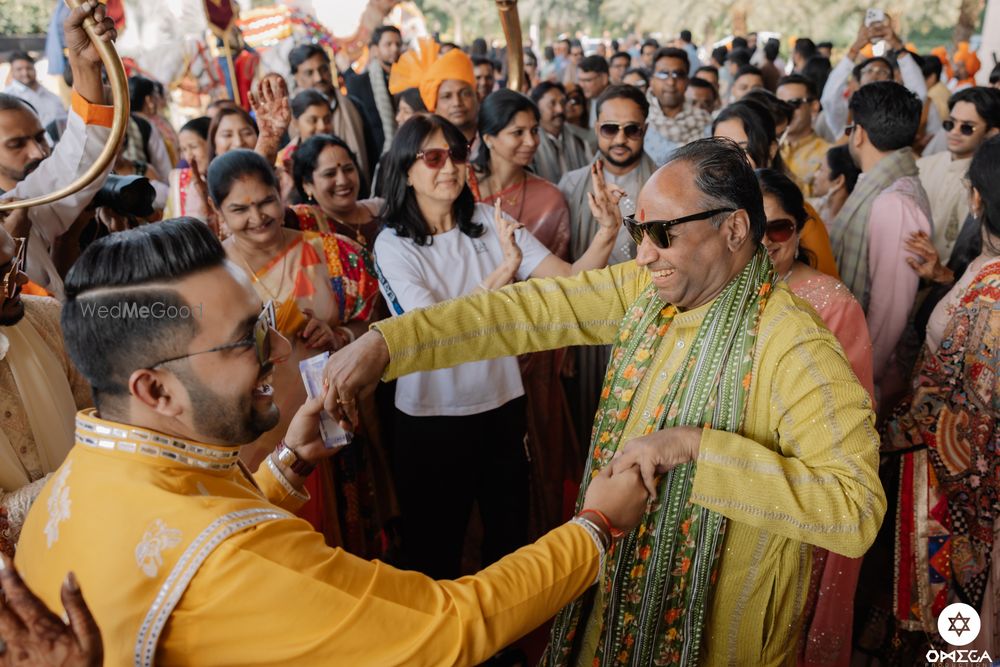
x,y
849,232
657,581
383,102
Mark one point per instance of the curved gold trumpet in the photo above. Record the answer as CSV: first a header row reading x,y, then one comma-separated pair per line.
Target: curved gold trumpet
x,y
119,92
511,24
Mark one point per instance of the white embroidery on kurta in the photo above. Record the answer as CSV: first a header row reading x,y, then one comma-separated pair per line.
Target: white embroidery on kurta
x,y
158,537
58,505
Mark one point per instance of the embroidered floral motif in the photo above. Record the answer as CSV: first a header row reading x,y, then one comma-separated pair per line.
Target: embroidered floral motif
x,y
58,505
158,537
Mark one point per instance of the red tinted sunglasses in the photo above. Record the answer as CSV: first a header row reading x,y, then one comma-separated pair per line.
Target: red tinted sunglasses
x,y
435,158
779,231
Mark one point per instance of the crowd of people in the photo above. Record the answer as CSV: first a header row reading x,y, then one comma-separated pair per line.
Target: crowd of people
x,y
690,354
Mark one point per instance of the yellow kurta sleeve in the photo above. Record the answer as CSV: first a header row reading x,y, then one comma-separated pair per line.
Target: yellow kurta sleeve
x,y
818,483
277,489
278,595
530,316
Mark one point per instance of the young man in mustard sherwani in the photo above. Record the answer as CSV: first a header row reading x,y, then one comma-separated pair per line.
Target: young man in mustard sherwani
x,y
722,383
187,558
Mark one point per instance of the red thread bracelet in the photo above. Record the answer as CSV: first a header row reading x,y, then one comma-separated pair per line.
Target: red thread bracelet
x,y
615,532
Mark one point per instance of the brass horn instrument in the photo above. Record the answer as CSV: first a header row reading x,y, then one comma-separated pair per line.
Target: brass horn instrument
x,y
511,24
119,93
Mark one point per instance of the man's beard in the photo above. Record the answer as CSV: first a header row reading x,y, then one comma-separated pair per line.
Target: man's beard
x,y
233,421
636,156
18,176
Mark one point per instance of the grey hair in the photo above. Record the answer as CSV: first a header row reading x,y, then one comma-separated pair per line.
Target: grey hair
x,y
725,179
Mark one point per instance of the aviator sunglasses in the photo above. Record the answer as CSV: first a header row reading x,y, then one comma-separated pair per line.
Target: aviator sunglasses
x,y
632,131
657,230
779,231
435,158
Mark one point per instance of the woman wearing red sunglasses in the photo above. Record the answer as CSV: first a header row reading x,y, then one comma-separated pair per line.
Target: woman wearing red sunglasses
x,y
459,432
834,577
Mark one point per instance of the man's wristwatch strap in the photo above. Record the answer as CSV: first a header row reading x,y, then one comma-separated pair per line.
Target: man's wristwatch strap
x,y
288,458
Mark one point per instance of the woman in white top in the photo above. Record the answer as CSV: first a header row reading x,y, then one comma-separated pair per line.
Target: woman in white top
x,y
459,432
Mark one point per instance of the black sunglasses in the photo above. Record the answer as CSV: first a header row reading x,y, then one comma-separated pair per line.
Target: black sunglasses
x,y
796,102
657,229
967,129
610,130
259,338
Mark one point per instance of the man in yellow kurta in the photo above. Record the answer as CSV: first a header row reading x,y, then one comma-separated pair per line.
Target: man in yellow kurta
x,y
188,559
722,383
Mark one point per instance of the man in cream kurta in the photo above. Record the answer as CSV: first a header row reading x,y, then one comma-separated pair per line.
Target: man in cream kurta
x,y
187,558
800,470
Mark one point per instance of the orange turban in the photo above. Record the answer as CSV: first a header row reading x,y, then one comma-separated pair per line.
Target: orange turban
x,y
423,68
942,55
968,58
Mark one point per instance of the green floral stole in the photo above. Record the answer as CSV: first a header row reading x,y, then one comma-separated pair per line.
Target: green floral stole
x,y
658,579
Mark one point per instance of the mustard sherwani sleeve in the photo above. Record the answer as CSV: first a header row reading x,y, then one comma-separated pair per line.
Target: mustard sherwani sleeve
x,y
277,595
528,316
805,467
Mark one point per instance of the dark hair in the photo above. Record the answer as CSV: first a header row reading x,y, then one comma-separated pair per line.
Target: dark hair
x,y
197,125
20,55
740,43
781,187
401,211
824,45
649,42
308,98
932,66
686,35
306,159
801,80
139,88
528,53
672,52
725,179
708,68
805,47
539,91
719,54
479,47
982,176
759,127
496,112
986,100
889,113
594,64
304,52
771,49
706,85
781,111
237,164
213,129
739,57
749,69
868,61
381,30
133,268
995,74
412,98
641,71
10,103
483,60
621,54
623,91
818,69
840,162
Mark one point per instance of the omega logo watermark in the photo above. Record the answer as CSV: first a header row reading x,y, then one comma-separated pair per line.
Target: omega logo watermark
x,y
959,625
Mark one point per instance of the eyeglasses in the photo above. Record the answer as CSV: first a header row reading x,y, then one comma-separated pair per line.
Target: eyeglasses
x,y
10,281
796,102
657,229
880,72
675,74
631,130
779,231
259,338
435,158
967,129
849,129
